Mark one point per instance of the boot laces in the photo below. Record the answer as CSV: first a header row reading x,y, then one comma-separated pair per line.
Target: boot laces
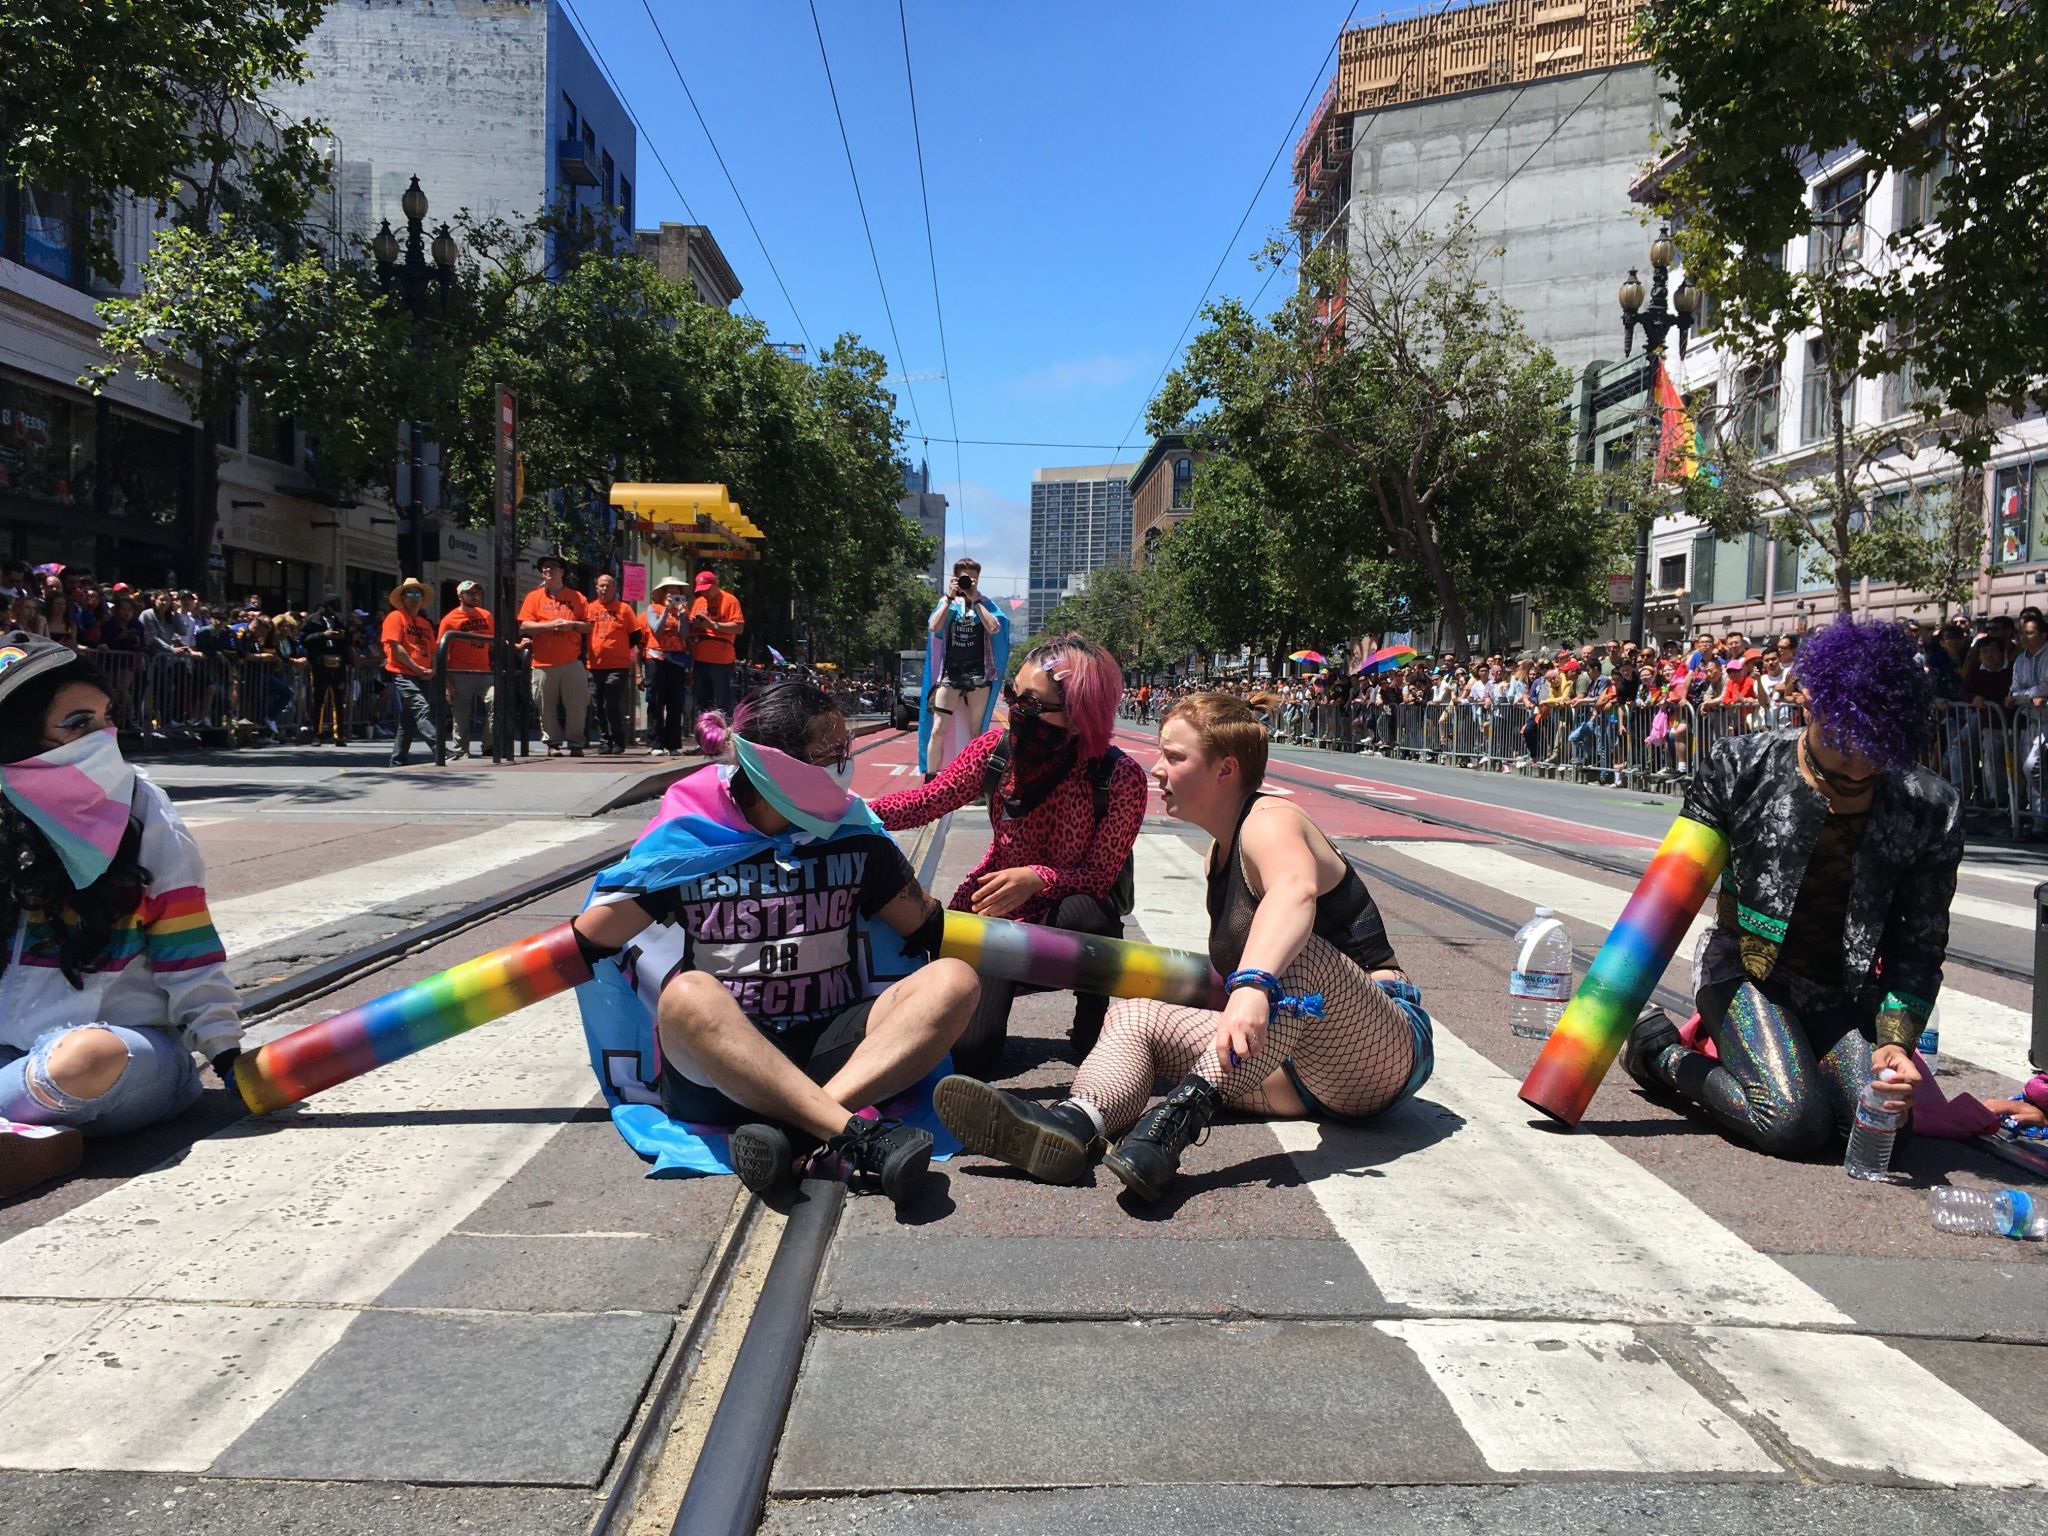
x,y
863,1147
1170,1121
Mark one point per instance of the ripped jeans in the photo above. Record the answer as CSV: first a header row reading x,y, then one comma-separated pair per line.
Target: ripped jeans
x,y
160,1079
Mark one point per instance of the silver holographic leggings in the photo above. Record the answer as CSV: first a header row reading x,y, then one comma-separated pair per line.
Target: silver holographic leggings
x,y
1787,1081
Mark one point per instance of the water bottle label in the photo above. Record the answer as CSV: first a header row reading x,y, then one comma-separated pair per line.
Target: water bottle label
x,y
2022,1212
1545,986
1872,1119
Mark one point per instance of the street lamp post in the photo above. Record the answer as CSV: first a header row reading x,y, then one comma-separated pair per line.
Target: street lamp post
x,y
1658,320
412,276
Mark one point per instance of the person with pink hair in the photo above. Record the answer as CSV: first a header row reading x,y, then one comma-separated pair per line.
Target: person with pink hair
x,y
1065,807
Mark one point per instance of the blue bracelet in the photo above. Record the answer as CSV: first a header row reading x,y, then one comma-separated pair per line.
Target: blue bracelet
x,y
1265,981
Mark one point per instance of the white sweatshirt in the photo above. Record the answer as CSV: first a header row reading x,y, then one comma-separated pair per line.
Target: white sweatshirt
x,y
164,966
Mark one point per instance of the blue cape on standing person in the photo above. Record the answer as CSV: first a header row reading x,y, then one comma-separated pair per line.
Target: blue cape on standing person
x,y
998,657
698,831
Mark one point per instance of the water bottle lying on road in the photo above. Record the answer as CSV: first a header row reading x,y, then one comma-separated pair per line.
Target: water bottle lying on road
x,y
1540,983
1870,1139
1989,1213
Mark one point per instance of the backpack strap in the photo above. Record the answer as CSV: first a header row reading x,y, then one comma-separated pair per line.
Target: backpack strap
x,y
992,774
1099,774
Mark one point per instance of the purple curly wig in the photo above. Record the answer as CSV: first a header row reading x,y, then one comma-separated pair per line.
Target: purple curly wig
x,y
1868,691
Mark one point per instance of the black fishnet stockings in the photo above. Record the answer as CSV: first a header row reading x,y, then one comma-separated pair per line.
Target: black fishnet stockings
x,y
1354,1059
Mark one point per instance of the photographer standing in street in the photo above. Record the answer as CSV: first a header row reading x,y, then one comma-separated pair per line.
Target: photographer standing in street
x,y
962,665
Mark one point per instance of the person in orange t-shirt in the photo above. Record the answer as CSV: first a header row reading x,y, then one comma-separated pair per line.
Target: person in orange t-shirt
x,y
616,640
554,620
408,641
715,622
667,627
469,666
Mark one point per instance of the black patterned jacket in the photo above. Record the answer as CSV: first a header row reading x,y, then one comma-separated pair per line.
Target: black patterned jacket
x,y
1896,932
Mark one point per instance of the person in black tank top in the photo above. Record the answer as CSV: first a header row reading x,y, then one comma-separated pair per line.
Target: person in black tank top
x,y
1319,1021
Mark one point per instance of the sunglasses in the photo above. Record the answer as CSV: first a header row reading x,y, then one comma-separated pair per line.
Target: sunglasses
x,y
1030,705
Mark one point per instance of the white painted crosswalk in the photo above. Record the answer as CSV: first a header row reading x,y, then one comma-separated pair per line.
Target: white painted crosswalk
x,y
1554,1276
267,917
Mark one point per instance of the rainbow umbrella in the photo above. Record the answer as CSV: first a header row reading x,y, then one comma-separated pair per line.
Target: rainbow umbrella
x,y
1307,658
1387,657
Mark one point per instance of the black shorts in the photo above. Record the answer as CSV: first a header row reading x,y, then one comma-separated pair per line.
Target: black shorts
x,y
820,1052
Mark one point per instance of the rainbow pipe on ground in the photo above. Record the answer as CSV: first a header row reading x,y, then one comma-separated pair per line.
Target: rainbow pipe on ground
x,y
1061,960
299,1064
1625,972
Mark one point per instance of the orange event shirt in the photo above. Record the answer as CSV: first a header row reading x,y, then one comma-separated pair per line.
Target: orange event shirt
x,y
614,626
415,636
669,635
555,648
463,657
721,607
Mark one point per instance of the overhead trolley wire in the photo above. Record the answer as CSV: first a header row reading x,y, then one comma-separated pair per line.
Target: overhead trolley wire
x,y
690,97
931,250
903,358
1322,74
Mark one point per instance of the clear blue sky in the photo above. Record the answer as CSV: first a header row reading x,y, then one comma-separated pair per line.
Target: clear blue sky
x,y
1086,165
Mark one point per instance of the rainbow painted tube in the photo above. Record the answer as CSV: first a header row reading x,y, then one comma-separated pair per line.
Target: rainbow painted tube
x,y
1625,971
1061,960
300,1064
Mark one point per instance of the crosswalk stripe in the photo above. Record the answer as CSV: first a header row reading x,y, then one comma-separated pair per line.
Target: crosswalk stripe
x,y
1573,1397
217,1282
1511,1238
1973,1029
265,917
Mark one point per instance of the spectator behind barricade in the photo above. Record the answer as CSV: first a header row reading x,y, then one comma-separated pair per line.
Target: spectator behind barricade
x,y
122,630
616,639
408,641
116,976
667,627
469,629
27,612
325,637
13,579
57,622
1941,653
2028,688
1739,685
715,622
1987,672
554,620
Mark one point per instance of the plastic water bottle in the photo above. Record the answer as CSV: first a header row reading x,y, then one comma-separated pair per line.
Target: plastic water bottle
x,y
1930,1041
1990,1213
1541,982
1870,1139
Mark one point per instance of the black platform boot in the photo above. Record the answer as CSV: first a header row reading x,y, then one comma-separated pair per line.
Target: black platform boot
x,y
1642,1055
1050,1144
1149,1155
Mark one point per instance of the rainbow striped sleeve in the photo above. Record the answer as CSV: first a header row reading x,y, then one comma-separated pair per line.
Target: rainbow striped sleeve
x,y
178,931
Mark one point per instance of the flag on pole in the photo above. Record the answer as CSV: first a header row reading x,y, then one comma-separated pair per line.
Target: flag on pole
x,y
1678,447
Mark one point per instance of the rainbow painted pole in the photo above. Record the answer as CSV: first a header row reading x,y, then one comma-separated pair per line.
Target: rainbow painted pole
x,y
382,1030
1062,960
1624,973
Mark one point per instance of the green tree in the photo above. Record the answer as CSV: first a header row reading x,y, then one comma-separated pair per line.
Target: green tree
x,y
1418,467
1947,93
162,100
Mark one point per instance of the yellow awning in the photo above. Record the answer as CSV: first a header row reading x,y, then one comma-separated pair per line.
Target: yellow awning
x,y
673,503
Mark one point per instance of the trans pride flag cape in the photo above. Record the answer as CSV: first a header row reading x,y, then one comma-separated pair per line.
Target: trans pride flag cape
x,y
998,657
697,831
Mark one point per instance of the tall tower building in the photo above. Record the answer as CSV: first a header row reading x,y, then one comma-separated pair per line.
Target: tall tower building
x,y
926,508
1080,519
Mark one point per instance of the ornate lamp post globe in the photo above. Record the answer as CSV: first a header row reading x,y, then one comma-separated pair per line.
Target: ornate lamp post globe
x,y
385,245
414,202
1664,313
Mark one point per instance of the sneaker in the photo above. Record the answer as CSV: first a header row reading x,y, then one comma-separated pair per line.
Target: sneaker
x,y
1653,1034
894,1155
575,751
1148,1158
33,1154
1049,1144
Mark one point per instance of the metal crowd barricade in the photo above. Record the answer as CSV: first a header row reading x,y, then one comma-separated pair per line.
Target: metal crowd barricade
x,y
1719,721
1410,738
2027,734
1968,747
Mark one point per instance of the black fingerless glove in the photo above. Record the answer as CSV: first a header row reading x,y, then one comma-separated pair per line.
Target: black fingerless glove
x,y
925,938
224,1068
591,950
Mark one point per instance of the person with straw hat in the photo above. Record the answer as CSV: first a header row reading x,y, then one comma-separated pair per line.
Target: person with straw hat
x,y
668,661
408,642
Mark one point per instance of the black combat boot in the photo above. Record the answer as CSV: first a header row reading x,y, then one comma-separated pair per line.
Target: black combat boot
x,y
1149,1155
1642,1055
892,1154
1049,1144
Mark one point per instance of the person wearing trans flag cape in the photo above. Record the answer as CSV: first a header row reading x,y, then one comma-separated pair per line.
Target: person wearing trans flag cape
x,y
112,977
764,983
967,656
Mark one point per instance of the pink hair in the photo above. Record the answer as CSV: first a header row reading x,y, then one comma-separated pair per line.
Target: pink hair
x,y
1091,683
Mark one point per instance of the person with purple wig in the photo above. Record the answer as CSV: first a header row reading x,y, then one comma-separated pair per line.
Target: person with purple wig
x,y
1832,926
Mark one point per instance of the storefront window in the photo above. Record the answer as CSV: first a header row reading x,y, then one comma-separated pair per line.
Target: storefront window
x,y
147,467
46,446
46,232
281,585
2010,513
